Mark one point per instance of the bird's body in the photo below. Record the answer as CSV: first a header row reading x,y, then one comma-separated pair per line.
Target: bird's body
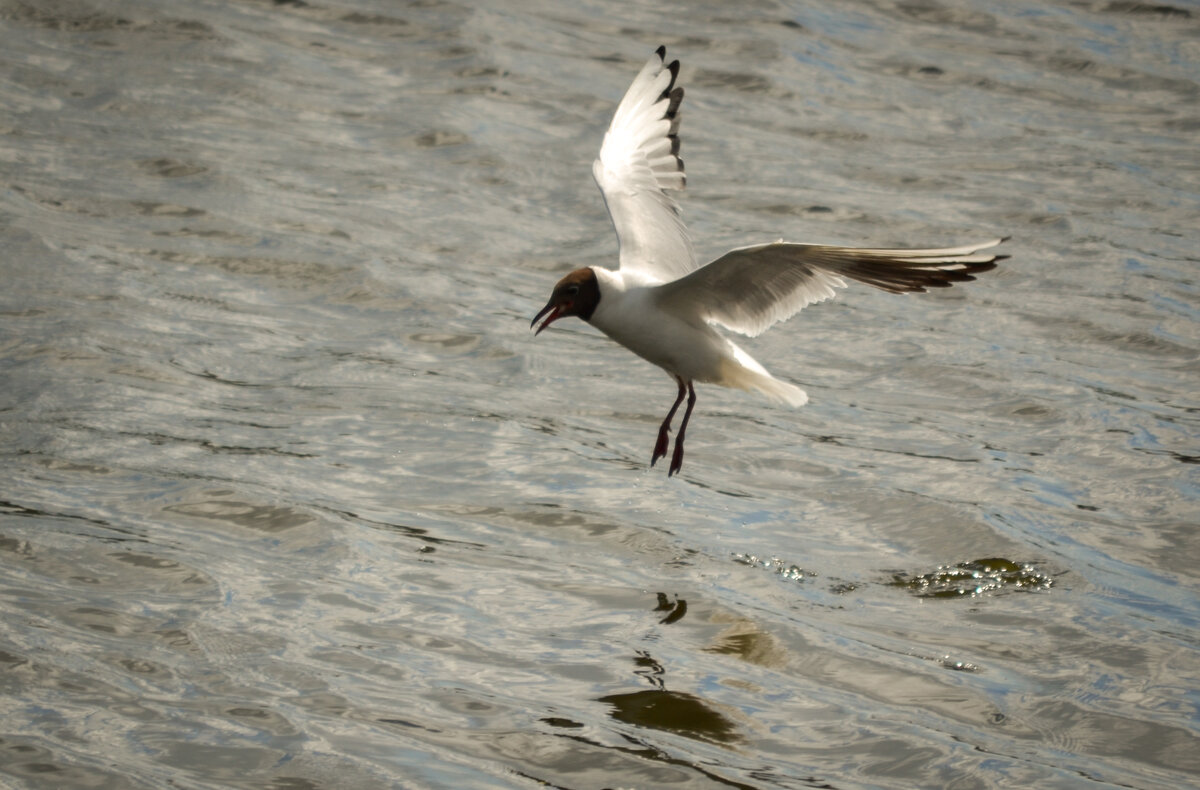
x,y
679,341
665,308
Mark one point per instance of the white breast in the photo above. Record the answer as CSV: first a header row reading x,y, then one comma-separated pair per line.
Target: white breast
x,y
630,315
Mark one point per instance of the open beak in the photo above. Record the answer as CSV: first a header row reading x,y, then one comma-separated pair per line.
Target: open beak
x,y
554,312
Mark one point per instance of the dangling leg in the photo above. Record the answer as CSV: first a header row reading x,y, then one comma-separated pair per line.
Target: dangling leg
x,y
660,447
677,456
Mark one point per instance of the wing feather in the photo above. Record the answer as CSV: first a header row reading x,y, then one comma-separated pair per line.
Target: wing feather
x,y
749,289
639,162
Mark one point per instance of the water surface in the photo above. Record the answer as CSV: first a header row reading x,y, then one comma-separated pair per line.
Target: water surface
x,y
292,498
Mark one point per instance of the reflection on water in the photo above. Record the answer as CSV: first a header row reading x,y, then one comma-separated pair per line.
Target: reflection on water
x,y
670,711
292,500
675,609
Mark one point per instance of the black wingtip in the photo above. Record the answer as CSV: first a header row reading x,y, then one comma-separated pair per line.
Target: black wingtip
x,y
672,67
661,52
674,97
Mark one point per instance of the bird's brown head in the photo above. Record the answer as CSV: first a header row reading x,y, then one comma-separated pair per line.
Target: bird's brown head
x,y
576,294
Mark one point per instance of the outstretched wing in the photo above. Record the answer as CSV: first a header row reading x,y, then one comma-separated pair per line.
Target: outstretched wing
x,y
751,288
639,161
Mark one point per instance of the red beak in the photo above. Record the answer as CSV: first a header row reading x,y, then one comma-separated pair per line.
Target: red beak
x,y
554,312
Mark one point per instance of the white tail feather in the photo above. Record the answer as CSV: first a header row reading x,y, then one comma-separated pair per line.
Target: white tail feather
x,y
753,378
776,390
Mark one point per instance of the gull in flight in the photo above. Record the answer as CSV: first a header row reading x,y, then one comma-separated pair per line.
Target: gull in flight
x,y
664,307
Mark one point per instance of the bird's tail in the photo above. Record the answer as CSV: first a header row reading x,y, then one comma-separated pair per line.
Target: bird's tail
x,y
776,390
752,377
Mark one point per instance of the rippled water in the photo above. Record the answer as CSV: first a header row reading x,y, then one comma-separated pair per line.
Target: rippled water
x,y
292,498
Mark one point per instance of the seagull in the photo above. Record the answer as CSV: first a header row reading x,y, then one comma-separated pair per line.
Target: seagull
x,y
664,307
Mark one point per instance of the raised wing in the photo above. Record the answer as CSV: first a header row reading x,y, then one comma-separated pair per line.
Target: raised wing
x,y
751,288
639,161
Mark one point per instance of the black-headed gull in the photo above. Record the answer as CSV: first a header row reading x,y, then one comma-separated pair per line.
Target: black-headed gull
x,y
663,307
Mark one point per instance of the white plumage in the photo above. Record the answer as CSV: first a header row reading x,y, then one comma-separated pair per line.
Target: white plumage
x,y
663,307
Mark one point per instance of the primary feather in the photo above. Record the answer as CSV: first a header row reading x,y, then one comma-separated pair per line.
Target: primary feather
x,y
639,162
749,289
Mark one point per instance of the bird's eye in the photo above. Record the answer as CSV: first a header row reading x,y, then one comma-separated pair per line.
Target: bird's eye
x,y
572,290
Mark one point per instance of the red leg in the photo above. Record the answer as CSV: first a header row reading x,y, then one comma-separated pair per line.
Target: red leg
x,y
660,447
677,456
